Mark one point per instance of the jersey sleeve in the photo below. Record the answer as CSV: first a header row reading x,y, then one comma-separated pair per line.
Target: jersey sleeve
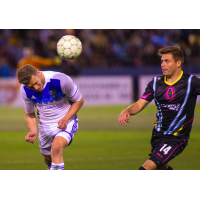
x,y
28,104
148,94
69,88
196,85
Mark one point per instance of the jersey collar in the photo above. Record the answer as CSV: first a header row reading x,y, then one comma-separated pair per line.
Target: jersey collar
x,y
174,81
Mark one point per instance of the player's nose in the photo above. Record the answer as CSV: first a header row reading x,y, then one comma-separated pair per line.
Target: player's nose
x,y
163,64
36,87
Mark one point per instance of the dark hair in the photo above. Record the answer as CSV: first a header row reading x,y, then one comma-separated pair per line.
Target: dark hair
x,y
176,52
25,73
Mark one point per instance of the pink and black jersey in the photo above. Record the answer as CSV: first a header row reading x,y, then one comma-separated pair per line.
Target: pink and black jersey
x,y
175,104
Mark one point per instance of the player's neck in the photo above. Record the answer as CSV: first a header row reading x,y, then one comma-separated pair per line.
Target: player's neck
x,y
173,78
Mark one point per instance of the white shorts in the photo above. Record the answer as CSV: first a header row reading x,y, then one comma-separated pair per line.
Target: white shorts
x,y
68,134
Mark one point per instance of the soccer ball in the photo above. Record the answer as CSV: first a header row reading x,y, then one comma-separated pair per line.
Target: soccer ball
x,y
69,47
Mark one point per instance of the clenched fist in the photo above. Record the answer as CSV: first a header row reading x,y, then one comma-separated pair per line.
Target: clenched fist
x,y
31,137
62,124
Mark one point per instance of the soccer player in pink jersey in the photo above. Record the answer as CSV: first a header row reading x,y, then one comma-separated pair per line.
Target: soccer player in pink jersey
x,y
175,96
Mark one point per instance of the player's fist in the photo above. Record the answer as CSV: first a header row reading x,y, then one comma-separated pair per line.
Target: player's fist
x,y
31,137
62,124
124,117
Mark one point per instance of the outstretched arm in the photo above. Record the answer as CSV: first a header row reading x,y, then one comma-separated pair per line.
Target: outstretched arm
x,y
132,110
62,124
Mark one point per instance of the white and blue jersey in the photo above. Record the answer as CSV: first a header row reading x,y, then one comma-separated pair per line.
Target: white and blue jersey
x,y
52,104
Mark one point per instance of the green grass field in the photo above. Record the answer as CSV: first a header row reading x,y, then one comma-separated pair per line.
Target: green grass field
x,y
100,143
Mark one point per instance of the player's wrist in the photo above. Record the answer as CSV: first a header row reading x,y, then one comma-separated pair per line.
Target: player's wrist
x,y
33,131
126,111
65,119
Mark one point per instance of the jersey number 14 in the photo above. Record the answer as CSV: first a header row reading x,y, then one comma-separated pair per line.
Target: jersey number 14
x,y
165,149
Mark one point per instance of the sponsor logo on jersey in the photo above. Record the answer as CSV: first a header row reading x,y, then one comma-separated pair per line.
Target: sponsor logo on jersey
x,y
171,106
53,93
54,106
33,97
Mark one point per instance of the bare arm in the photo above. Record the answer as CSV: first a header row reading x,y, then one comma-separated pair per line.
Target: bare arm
x,y
32,124
132,110
62,124
137,106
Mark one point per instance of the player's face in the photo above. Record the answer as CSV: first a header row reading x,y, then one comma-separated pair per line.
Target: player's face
x,y
168,65
36,83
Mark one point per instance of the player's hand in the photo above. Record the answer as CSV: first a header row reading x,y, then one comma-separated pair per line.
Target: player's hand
x,y
31,137
62,124
124,117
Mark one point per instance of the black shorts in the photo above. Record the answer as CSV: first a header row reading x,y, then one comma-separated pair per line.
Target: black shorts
x,y
164,150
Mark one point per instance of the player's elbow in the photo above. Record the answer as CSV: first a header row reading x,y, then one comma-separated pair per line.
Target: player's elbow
x,y
82,101
30,115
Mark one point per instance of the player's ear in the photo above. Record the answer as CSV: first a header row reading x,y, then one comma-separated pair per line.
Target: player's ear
x,y
38,71
179,63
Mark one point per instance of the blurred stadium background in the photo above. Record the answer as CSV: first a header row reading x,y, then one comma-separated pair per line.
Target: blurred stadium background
x,y
112,73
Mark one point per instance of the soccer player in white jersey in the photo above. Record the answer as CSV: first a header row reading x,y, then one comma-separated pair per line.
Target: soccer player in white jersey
x,y
57,100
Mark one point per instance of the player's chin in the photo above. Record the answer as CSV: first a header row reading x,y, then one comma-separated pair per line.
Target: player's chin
x,y
40,89
165,74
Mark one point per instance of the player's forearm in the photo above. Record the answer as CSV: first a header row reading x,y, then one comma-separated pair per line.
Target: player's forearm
x,y
133,109
31,122
73,109
137,106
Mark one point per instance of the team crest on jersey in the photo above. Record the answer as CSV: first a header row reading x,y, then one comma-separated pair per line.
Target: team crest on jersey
x,y
170,93
53,93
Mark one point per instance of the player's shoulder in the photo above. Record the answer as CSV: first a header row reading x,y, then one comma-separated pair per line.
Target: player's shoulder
x,y
22,87
195,79
57,77
158,79
191,76
191,79
186,75
23,91
54,75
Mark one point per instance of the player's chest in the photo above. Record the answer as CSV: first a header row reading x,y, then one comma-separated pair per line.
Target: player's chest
x,y
168,93
50,94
